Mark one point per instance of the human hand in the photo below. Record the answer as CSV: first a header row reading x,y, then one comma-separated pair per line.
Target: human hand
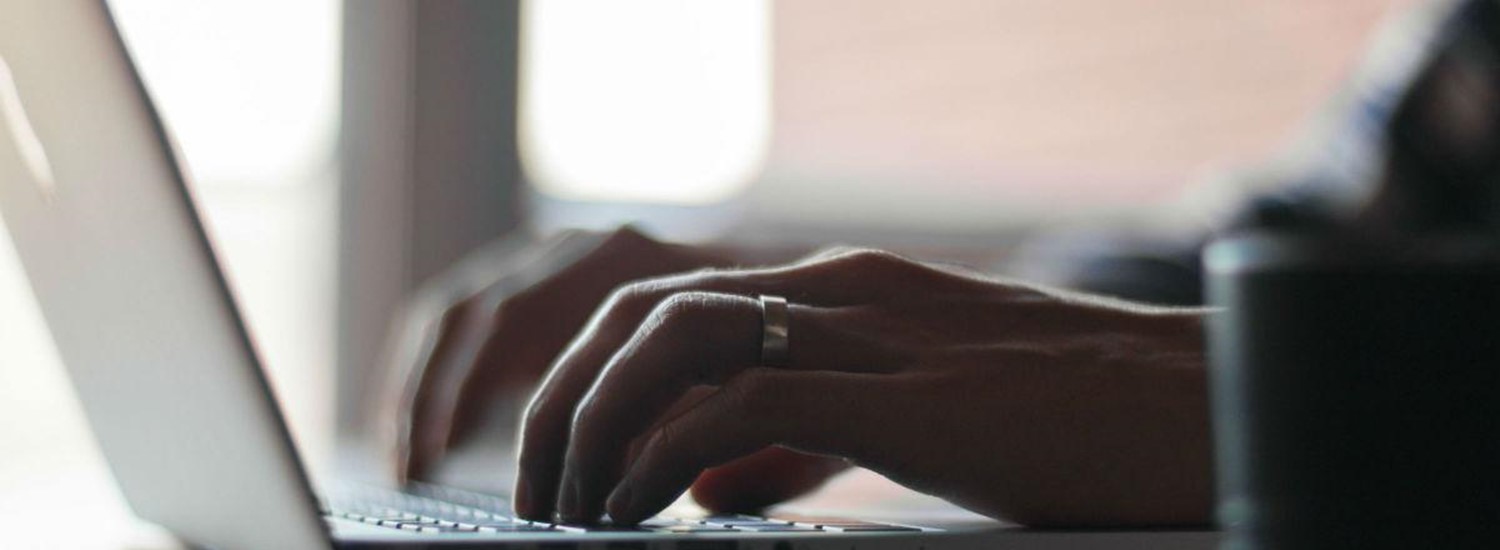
x,y
1014,401
490,328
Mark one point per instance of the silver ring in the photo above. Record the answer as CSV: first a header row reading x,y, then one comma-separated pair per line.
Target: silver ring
x,y
773,333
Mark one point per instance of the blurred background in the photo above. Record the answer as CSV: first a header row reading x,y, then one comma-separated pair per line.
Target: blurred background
x,y
342,154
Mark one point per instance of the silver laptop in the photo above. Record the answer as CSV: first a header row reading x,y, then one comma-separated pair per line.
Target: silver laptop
x,y
101,214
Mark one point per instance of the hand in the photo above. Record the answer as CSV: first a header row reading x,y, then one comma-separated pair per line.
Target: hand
x,y
491,327
462,346
1013,401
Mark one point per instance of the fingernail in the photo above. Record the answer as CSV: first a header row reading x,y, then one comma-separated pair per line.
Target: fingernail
x,y
523,504
568,499
411,470
620,505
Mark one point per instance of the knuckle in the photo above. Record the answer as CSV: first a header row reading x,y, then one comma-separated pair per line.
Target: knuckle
x,y
530,460
582,425
433,298
532,416
829,252
683,309
750,392
701,277
629,234
641,297
867,264
665,449
621,295
635,297
683,326
452,314
870,258
499,304
504,311
624,304
542,421
667,435
438,318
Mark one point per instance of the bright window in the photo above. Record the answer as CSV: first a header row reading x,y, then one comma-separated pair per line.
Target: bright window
x,y
663,101
940,114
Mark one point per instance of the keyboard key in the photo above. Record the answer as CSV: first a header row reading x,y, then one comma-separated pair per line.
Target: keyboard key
x,y
513,528
661,522
747,523
611,528
726,518
693,529
869,529
393,517
420,528
780,528
783,527
844,523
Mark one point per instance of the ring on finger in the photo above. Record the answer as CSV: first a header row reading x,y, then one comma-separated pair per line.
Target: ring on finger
x,y
774,323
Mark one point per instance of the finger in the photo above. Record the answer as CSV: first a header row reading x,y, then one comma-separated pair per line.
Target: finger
x,y
519,345
423,433
467,352
691,398
691,339
490,355
438,355
545,428
768,477
824,280
827,413
405,352
532,326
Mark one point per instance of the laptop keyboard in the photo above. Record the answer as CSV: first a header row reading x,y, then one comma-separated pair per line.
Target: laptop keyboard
x,y
431,509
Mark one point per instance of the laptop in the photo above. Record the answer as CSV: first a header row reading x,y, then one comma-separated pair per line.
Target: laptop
x,y
101,213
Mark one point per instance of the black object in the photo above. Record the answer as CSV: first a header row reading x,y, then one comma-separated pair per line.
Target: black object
x,y
1356,391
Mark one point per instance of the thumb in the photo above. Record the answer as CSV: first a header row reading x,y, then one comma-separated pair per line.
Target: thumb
x,y
770,476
